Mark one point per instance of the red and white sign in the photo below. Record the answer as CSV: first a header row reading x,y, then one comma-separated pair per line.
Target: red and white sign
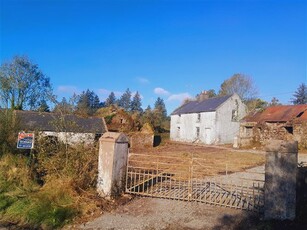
x,y
25,140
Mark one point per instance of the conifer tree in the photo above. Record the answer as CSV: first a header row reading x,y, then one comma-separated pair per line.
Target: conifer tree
x,y
111,100
136,103
125,100
300,95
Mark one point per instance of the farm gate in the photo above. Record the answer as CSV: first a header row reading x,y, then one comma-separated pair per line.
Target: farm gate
x,y
195,179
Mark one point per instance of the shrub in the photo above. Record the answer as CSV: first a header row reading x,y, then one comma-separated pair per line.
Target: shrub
x,y
9,126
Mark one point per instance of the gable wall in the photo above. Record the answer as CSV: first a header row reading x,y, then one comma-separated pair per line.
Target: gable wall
x,y
227,128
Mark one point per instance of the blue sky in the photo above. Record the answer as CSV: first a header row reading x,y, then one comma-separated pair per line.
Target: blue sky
x,y
171,49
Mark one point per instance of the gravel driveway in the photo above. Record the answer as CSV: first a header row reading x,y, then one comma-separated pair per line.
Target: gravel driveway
x,y
154,213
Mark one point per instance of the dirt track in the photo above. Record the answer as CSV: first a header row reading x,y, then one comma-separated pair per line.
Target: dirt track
x,y
153,213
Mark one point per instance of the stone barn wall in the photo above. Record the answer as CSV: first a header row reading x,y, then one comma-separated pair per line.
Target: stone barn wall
x,y
139,139
253,133
300,134
268,131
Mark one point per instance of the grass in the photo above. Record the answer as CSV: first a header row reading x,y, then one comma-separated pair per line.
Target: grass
x,y
25,203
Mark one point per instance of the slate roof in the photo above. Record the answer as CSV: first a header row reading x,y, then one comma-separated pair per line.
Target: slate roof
x,y
207,105
283,113
54,122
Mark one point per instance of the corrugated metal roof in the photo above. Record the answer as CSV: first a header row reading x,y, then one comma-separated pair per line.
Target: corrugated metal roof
x,y
59,123
207,105
283,113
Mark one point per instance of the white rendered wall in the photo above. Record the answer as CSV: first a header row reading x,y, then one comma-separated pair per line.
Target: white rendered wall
x,y
226,128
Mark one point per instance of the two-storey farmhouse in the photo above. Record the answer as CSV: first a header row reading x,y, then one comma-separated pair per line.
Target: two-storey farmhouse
x,y
208,120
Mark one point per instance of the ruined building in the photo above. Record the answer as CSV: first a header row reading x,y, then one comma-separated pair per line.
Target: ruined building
x,y
287,122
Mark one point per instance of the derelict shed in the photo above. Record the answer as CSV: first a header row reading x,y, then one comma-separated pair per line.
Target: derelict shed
x,y
286,122
68,128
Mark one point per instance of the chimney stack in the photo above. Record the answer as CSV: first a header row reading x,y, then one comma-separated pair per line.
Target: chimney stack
x,y
203,96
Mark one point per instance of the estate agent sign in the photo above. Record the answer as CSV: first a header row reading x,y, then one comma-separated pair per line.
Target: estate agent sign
x,y
25,140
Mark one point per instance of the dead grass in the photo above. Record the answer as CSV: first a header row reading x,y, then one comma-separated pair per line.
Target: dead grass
x,y
205,160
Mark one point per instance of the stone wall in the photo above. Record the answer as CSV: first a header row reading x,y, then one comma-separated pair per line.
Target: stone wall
x,y
300,134
253,133
268,131
140,140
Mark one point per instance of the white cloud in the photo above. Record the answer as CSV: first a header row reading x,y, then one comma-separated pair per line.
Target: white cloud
x,y
161,91
107,92
67,89
179,97
143,80
103,91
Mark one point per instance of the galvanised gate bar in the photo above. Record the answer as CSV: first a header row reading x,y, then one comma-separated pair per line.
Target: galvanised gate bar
x,y
195,179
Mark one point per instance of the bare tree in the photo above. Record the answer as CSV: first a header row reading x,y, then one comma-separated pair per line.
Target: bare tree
x,y
241,84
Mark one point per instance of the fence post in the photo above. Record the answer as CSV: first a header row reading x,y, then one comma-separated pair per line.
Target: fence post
x,y
280,180
112,164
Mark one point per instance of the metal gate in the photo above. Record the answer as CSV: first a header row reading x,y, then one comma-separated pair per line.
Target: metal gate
x,y
195,179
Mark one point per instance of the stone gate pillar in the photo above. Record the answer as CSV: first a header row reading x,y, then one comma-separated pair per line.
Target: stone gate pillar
x,y
112,164
280,180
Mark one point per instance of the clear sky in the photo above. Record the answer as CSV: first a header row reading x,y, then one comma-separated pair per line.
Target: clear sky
x,y
171,48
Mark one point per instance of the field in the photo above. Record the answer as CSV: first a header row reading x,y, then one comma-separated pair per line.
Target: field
x,y
211,160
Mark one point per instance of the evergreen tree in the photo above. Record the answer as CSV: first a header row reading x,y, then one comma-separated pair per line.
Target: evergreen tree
x,y
148,116
159,114
160,106
136,103
125,100
111,100
63,107
300,95
88,103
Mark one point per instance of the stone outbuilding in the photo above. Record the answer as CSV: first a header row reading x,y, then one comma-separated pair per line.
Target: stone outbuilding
x,y
285,122
119,121
144,138
208,120
68,128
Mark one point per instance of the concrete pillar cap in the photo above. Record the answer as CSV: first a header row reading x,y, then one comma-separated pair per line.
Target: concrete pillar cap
x,y
282,146
114,137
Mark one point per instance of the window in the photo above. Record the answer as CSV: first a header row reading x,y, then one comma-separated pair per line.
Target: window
x,y
198,117
197,132
234,115
178,132
289,129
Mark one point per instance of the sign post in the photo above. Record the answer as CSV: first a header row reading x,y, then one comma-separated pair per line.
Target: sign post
x,y
25,140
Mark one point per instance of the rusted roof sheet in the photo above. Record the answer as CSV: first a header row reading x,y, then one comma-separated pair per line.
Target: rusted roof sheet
x,y
283,113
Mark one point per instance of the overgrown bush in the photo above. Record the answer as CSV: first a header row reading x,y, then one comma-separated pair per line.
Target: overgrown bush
x,y
80,163
9,126
66,175
47,187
